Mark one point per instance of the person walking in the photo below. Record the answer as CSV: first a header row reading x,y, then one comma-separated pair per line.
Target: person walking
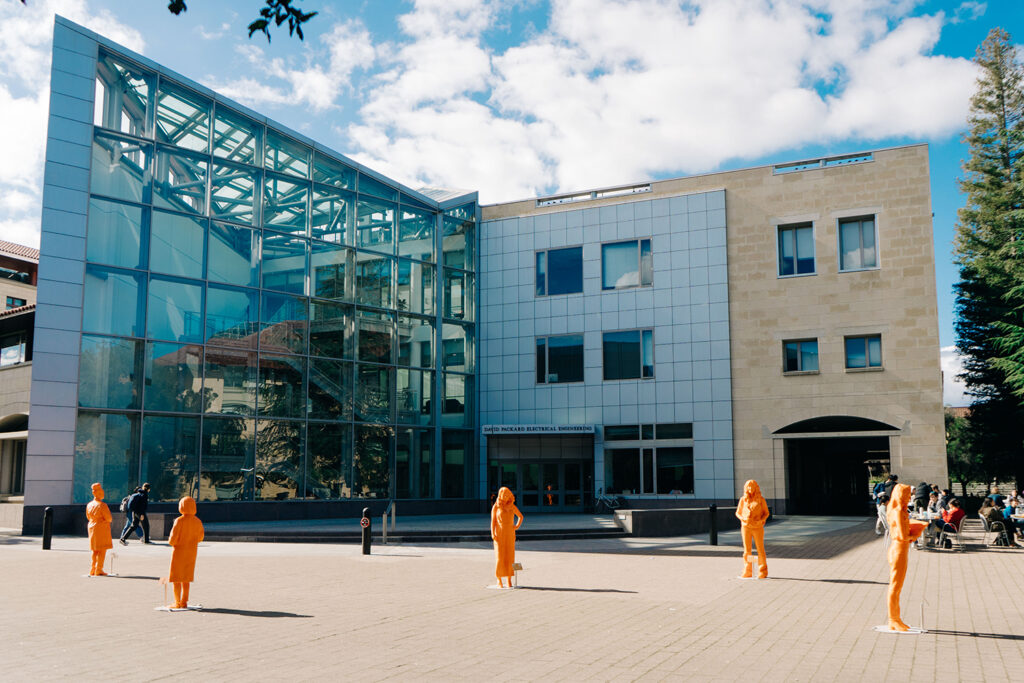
x,y
138,503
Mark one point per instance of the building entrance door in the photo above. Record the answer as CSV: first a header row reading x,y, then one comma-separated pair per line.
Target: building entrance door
x,y
542,486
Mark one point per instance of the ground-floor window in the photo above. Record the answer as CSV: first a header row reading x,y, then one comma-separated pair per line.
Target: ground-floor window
x,y
656,470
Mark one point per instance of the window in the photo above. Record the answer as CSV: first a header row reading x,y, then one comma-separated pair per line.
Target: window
x,y
560,359
800,355
663,470
864,352
14,302
629,354
560,271
626,264
12,350
857,250
796,249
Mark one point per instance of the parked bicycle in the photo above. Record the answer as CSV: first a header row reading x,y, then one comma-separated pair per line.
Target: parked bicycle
x,y
605,503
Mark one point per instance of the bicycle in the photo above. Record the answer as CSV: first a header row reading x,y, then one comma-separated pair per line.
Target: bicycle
x,y
605,503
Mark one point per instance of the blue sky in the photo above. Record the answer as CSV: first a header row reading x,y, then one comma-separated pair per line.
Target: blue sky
x,y
516,98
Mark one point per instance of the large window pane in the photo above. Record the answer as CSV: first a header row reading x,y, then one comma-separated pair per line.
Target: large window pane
x,y
373,393
234,255
857,243
174,378
620,265
182,118
283,322
369,185
232,316
415,341
113,302
284,204
179,181
235,137
120,168
458,294
622,470
564,362
175,310
542,273
107,451
375,224
622,355
416,233
122,96
565,271
373,280
286,156
170,456
457,341
456,464
458,243
863,352
331,215
675,470
330,389
331,172
457,408
331,329
329,453
413,391
415,287
375,336
233,193
281,388
230,381
110,374
284,262
227,459
279,459
371,464
413,463
176,244
115,234
330,265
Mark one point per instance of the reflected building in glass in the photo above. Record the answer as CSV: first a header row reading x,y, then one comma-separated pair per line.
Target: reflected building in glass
x,y
236,312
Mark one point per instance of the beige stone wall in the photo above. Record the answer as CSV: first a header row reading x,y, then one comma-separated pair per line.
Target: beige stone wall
x,y
15,384
18,290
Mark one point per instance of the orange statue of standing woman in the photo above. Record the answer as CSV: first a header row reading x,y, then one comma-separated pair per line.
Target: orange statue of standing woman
x,y
186,535
752,512
503,531
100,540
902,532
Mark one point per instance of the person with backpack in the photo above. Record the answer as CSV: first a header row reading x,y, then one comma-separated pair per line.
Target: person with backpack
x,y
135,508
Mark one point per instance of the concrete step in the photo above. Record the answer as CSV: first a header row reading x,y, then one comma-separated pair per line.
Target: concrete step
x,y
456,536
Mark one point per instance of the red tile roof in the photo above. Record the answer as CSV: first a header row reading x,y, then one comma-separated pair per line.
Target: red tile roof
x,y
19,251
27,308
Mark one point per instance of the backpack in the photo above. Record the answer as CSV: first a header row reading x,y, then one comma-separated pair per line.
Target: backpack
x,y
124,503
878,490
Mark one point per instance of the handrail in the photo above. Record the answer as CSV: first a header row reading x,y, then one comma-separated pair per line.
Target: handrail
x,y
384,520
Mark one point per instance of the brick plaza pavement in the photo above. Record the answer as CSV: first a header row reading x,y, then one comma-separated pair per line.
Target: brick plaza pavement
x,y
612,609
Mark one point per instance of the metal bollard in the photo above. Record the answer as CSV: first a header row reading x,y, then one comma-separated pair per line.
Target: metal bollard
x,y
47,527
365,523
713,533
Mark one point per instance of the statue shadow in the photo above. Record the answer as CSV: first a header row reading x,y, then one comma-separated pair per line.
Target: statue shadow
x,y
572,590
144,578
975,634
267,614
792,578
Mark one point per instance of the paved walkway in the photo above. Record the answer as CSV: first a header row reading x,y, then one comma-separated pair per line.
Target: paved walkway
x,y
608,609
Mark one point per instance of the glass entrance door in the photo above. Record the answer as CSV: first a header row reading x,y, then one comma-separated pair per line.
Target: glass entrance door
x,y
542,486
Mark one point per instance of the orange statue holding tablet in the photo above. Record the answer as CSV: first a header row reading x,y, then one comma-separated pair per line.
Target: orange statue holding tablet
x,y
100,540
186,534
902,532
752,512
503,531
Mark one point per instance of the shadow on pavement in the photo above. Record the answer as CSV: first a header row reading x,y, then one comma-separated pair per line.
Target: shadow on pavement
x,y
147,578
791,578
254,613
975,634
573,590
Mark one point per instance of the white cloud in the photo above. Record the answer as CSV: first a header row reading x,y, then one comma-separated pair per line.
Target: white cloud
x,y
952,388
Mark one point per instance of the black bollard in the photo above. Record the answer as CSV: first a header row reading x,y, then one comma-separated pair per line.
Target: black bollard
x,y
713,533
47,527
365,523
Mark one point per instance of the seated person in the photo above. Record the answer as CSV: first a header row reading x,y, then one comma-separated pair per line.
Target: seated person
x,y
933,503
1015,499
993,515
944,498
1014,524
952,517
997,498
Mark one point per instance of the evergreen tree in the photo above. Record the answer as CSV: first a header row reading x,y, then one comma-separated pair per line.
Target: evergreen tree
x,y
990,294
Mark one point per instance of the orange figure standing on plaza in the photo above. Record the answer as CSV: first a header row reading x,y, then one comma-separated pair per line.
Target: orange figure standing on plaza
x,y
902,532
186,535
752,512
503,531
100,540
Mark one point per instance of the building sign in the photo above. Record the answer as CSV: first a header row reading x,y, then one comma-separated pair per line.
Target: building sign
x,y
496,430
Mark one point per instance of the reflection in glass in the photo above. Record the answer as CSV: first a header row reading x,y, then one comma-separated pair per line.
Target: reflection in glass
x,y
371,461
331,172
279,459
231,316
174,378
235,137
175,310
456,455
284,204
182,118
373,280
232,194
331,215
230,381
375,336
457,408
416,233
330,389
283,323
176,244
415,339
286,156
110,374
227,459
622,470
413,458
458,243
628,354
330,330
415,287
284,262
458,294
329,454
107,451
330,264
122,96
234,255
282,386
373,393
120,168
457,343
369,185
375,224
179,181
675,470
115,234
170,456
412,398
113,301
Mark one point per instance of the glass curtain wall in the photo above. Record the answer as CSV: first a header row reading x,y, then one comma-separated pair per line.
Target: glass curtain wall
x,y
263,321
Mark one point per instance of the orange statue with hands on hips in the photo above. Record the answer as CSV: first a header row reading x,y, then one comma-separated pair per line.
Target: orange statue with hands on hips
x,y
752,512
902,532
100,540
186,535
503,531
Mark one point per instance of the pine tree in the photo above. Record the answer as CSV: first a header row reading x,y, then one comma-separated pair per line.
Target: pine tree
x,y
990,238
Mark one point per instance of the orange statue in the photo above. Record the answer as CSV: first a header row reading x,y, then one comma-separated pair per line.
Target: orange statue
x,y
186,535
753,513
503,531
100,540
902,532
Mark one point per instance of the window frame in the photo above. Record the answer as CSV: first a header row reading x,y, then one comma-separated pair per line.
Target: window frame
x,y
866,339
859,218
641,330
639,263
800,371
794,226
547,359
547,270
